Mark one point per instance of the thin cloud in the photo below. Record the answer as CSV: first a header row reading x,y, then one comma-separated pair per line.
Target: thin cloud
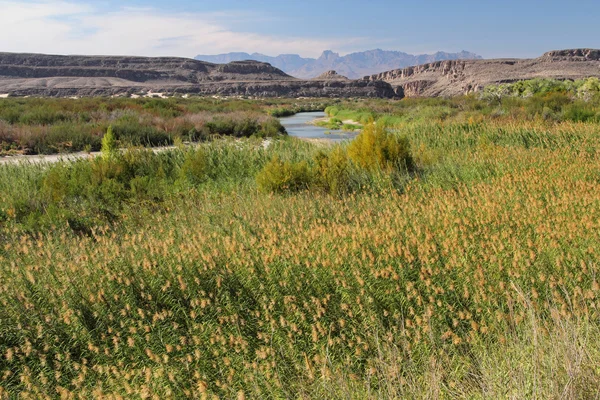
x,y
64,27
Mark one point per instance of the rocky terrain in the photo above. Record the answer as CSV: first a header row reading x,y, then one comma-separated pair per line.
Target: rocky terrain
x,y
456,77
331,75
354,65
66,76
63,76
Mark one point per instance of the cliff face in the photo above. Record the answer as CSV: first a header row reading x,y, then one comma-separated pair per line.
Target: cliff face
x,y
136,69
47,75
455,77
572,55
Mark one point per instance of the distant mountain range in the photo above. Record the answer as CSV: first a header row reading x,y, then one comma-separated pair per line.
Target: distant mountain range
x,y
354,66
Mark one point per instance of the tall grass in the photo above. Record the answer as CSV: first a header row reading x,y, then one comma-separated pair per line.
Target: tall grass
x,y
47,126
476,277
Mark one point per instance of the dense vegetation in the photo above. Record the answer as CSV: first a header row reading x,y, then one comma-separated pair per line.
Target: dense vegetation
x,y
46,126
586,89
453,255
540,105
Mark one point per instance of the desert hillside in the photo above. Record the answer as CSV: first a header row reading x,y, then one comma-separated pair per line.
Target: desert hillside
x,y
50,75
456,77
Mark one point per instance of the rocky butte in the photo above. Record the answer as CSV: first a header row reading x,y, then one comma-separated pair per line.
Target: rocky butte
x,y
64,76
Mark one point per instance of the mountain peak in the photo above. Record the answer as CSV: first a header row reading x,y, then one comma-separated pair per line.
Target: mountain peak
x,y
329,55
354,65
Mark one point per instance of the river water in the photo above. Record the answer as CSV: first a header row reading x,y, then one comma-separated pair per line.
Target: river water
x,y
298,125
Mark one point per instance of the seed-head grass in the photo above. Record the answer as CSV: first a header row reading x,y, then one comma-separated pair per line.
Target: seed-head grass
x,y
479,279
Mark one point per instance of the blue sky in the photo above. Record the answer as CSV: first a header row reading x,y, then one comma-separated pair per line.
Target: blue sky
x,y
506,28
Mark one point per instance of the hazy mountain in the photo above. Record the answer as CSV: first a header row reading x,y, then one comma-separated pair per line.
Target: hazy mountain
x,y
285,62
355,65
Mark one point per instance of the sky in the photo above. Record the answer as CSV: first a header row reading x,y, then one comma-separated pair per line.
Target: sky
x,y
186,28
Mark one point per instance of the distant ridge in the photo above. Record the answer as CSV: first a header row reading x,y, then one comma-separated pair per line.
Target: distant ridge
x,y
354,66
66,76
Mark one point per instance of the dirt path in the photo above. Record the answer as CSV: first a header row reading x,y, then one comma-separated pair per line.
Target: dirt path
x,y
54,158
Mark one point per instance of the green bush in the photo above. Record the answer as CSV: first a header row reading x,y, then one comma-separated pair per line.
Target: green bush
x,y
129,130
103,186
284,176
577,113
334,171
281,112
271,128
55,186
42,116
109,144
195,167
332,111
377,149
165,108
147,188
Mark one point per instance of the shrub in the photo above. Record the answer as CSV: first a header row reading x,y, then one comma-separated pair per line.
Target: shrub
x,y
375,148
42,116
165,108
332,111
195,167
109,145
577,113
55,183
147,188
129,130
271,128
284,176
589,88
334,171
281,112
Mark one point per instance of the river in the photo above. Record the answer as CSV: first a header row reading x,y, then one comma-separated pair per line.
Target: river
x,y
299,125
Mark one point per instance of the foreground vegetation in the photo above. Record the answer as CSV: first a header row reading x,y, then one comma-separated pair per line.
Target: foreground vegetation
x,y
456,257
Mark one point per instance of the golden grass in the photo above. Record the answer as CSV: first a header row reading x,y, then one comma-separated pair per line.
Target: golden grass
x,y
479,279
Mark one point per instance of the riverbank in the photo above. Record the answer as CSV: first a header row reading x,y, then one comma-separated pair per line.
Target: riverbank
x,y
335,124
309,125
